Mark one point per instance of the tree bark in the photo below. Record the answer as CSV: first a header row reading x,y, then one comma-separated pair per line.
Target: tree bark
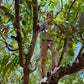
x,y
35,33
26,76
19,39
33,42
74,67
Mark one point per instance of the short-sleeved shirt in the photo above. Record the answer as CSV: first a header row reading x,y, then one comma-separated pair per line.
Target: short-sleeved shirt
x,y
47,31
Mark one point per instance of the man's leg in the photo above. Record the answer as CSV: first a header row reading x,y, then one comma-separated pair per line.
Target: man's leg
x,y
44,49
54,54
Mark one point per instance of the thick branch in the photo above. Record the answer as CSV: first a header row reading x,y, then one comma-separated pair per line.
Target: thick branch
x,y
18,32
34,38
74,67
33,42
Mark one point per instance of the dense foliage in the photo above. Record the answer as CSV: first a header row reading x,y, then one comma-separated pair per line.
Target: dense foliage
x,y
69,19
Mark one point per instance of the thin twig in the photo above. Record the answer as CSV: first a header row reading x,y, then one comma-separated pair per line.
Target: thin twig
x,y
60,10
2,41
71,6
12,49
37,60
82,47
61,4
77,13
58,13
61,27
7,45
2,47
81,37
2,36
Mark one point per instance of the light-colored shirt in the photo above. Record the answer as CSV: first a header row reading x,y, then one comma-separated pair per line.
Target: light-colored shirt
x,y
48,31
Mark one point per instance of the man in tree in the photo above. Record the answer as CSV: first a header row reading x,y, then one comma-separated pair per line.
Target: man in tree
x,y
47,42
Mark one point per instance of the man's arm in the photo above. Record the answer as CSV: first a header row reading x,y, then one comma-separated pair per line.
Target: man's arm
x,y
40,28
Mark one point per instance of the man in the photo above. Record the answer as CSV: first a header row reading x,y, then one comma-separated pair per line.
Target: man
x,y
47,42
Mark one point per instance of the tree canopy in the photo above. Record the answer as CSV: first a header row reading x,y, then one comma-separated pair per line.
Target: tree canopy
x,y
20,43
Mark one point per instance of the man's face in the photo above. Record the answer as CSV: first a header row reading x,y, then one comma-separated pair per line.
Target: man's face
x,y
50,16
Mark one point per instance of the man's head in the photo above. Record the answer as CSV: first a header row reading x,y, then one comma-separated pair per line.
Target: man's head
x,y
50,16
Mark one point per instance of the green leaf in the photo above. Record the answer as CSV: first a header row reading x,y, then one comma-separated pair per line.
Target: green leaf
x,y
23,22
5,60
10,65
4,8
71,52
7,11
29,3
70,44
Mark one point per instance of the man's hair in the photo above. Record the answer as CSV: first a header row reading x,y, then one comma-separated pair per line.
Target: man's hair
x,y
48,13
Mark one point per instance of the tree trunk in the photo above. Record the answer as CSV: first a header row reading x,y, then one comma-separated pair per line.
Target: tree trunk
x,y
54,82
26,76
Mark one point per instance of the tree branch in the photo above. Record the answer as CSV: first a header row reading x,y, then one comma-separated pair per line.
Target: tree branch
x,y
71,6
81,37
61,4
60,26
2,47
18,32
82,47
10,49
35,33
7,45
77,13
74,67
32,70
60,10
63,51
15,38
58,13
33,42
